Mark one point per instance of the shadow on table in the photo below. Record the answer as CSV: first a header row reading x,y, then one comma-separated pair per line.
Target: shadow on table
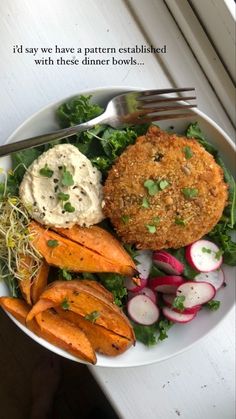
x,y
28,372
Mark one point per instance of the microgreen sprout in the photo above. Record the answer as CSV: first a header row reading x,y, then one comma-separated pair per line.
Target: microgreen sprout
x,y
15,239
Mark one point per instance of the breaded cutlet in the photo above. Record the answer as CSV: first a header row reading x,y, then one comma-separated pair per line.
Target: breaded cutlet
x,y
165,191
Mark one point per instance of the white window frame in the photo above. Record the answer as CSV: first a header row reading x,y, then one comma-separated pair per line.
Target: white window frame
x,y
209,28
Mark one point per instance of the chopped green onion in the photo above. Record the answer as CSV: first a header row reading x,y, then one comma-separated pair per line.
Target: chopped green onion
x,y
206,250
163,184
65,304
68,207
151,228
190,192
145,203
92,317
188,152
180,221
52,243
67,178
63,196
46,172
151,186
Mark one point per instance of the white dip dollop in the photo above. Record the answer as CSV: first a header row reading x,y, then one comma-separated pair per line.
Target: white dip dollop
x,y
62,188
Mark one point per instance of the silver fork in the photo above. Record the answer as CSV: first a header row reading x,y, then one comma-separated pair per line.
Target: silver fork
x,y
131,108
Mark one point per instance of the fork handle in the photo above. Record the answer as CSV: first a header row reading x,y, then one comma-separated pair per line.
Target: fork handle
x,y
52,136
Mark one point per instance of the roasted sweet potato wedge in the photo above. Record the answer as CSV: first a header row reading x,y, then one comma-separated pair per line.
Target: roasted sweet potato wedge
x,y
103,340
69,255
39,282
18,308
99,288
42,304
25,284
84,301
100,241
51,327
31,288
65,335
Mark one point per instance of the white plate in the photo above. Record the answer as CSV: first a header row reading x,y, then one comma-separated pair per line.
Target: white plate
x,y
181,337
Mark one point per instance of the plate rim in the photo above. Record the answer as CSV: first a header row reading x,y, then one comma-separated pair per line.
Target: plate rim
x,y
118,89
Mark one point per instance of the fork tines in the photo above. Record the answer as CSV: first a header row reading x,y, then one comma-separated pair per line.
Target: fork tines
x,y
151,106
147,93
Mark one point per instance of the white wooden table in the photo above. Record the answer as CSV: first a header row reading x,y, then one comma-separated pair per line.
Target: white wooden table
x,y
200,383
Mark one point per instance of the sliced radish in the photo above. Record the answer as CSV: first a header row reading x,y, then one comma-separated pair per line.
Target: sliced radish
x,y
196,293
135,284
169,299
144,259
166,284
168,263
144,291
215,278
176,317
204,256
142,310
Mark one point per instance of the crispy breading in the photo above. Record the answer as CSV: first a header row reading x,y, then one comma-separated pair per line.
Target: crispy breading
x,y
186,206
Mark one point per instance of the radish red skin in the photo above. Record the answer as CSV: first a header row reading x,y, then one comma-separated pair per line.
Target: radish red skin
x,y
168,300
168,263
144,291
177,317
131,286
195,251
166,284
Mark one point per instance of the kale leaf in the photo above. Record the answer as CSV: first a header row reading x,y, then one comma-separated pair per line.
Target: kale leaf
x,y
221,235
164,326
77,110
146,334
194,131
150,335
115,141
101,144
23,159
115,284
213,305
